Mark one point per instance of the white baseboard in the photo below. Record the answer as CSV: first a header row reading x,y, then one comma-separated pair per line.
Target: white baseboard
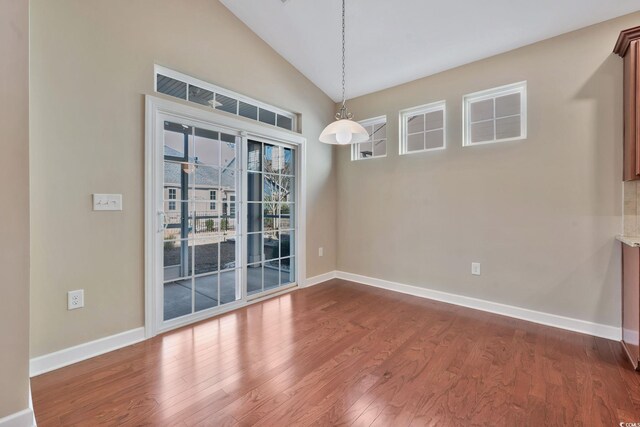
x,y
49,362
311,281
576,325
23,418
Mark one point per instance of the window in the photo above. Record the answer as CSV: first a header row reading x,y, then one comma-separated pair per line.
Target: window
x,y
212,196
495,115
182,86
172,196
376,146
232,206
423,128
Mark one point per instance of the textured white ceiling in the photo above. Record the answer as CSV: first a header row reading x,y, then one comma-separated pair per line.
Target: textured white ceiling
x,y
390,42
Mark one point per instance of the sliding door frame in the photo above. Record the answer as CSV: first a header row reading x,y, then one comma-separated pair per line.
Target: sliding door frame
x,y
157,107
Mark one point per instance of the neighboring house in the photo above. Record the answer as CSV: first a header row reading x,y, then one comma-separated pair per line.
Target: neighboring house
x,y
211,195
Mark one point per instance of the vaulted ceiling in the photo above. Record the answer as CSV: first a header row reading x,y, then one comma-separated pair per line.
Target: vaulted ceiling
x,y
390,42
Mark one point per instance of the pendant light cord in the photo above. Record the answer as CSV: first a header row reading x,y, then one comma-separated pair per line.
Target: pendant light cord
x,y
343,52
343,113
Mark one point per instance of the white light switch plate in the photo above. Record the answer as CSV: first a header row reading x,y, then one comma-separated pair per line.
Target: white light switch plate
x,y
107,202
475,268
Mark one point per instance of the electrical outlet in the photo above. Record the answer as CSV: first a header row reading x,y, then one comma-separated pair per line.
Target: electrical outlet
x,y
320,251
475,268
75,299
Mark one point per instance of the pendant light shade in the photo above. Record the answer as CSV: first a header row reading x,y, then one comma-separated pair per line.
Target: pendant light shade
x,y
344,131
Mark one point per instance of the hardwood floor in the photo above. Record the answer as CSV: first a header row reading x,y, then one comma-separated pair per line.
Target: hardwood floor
x,y
341,353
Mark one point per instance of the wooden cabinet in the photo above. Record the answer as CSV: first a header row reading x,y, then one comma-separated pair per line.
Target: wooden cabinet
x,y
628,47
631,303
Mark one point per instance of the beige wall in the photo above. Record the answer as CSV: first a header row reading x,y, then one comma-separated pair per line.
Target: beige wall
x,y
91,63
540,215
14,205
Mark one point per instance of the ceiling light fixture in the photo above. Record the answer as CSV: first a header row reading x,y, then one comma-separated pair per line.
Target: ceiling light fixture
x,y
344,130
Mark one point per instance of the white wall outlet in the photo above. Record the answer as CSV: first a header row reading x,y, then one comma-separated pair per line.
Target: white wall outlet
x,y
320,251
75,299
475,268
107,202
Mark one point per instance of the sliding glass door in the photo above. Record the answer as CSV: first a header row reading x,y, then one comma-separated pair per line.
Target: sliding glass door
x,y
226,228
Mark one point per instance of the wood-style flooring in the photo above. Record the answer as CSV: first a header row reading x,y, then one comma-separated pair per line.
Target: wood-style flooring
x,y
341,353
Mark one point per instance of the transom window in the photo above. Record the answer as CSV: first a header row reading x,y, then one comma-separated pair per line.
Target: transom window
x,y
376,146
495,115
190,89
423,128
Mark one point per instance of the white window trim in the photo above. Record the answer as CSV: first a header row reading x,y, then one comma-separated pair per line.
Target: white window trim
x,y
370,122
467,100
159,69
421,109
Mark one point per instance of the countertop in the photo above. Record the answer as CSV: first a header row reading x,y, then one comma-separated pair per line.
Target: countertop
x,y
633,241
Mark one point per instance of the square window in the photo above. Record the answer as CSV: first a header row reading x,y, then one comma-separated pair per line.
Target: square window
x,y
495,115
376,145
423,128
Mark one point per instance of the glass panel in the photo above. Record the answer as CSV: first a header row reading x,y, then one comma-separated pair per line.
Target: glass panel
x,y
249,111
206,147
267,116
286,192
271,216
177,259
206,256
434,120
481,110
227,104
228,254
271,183
380,148
287,274
254,160
287,242
207,178
254,248
177,299
171,87
287,211
228,223
508,127
201,96
206,292
228,287
254,220
415,124
254,278
415,142
206,218
508,105
482,131
271,244
178,177
434,139
273,159
365,150
285,122
228,154
379,131
178,141
254,187
288,162
271,274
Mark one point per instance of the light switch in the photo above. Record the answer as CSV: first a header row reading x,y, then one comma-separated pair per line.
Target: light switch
x,y
107,202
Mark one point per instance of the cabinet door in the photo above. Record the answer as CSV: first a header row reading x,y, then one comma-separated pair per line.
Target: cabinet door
x,y
631,110
631,302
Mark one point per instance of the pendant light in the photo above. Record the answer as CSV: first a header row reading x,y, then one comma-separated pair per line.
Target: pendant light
x,y
344,130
